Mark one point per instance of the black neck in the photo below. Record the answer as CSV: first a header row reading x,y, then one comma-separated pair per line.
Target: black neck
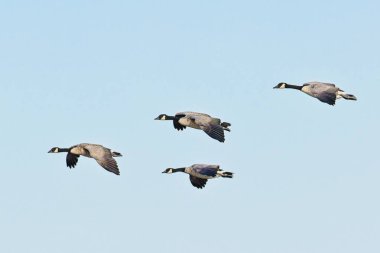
x,y
169,117
293,86
179,170
63,150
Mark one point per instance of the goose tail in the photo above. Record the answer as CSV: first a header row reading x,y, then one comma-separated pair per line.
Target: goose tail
x,y
225,174
116,154
347,96
225,126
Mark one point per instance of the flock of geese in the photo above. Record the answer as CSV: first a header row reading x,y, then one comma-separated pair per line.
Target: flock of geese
x,y
213,127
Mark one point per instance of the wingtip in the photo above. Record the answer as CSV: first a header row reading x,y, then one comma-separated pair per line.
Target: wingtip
x,y
114,171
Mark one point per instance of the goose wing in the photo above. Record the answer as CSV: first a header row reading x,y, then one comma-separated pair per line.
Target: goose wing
x,y
327,97
71,160
193,114
205,169
324,92
213,130
198,182
176,124
73,155
109,164
320,84
104,158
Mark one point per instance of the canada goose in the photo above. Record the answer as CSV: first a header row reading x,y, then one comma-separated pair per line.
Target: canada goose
x,y
104,156
213,127
325,92
200,173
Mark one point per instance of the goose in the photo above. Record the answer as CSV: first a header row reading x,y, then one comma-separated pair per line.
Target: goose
x,y
104,156
213,127
200,173
325,92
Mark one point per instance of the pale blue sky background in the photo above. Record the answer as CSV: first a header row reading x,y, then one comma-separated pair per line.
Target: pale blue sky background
x,y
307,174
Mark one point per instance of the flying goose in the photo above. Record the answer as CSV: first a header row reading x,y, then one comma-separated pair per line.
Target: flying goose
x,y
325,92
104,156
213,127
200,173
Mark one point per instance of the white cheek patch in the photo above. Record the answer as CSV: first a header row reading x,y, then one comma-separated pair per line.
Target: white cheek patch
x,y
163,117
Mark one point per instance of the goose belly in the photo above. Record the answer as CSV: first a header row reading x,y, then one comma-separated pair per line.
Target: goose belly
x,y
191,172
188,122
202,176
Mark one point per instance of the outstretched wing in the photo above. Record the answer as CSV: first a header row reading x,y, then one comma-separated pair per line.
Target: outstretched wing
x,y
327,97
324,92
193,114
205,169
104,158
215,131
109,164
71,160
320,84
198,182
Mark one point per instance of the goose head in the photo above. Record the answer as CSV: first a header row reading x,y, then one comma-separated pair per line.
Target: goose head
x,y
162,117
168,171
280,86
54,150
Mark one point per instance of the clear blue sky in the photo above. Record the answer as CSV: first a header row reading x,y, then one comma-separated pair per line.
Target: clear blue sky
x,y
307,174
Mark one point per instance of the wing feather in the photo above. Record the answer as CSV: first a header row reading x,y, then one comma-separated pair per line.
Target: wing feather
x,y
215,131
320,84
198,182
176,124
205,169
327,97
71,160
104,158
109,164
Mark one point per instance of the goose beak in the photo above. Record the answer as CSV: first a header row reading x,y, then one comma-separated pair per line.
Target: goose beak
x,y
275,87
50,151
164,171
157,118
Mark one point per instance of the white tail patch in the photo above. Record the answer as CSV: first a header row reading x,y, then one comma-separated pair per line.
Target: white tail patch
x,y
340,94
